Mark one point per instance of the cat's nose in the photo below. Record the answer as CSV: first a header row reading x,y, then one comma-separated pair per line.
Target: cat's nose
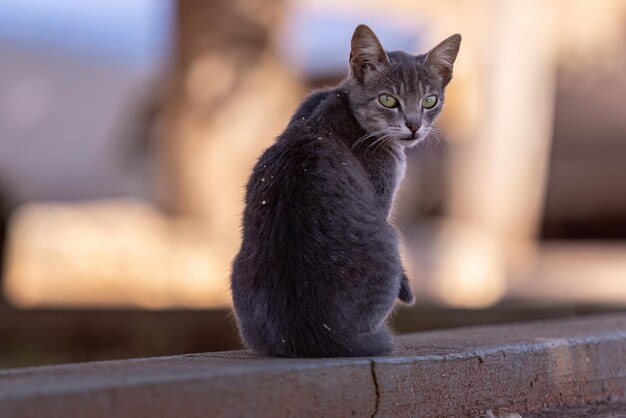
x,y
413,126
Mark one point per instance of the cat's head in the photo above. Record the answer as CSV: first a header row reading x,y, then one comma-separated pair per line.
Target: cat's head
x,y
394,93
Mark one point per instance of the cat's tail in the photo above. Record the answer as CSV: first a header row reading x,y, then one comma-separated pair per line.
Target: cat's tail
x,y
332,343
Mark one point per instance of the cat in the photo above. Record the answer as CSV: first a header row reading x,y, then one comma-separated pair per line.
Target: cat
x,y
319,268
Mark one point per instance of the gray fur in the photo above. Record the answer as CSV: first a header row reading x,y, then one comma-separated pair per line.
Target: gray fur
x,y
319,268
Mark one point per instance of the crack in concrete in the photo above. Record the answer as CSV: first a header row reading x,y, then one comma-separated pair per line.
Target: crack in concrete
x,y
377,389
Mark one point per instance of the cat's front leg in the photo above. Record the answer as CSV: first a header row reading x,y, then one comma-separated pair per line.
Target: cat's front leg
x,y
406,294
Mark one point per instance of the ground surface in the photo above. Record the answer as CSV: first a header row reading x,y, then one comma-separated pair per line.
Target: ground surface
x,y
602,410
525,368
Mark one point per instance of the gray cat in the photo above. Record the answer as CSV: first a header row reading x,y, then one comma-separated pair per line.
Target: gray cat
x,y
319,268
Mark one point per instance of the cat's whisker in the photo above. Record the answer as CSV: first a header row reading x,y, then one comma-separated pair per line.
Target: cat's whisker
x,y
439,134
367,136
361,140
384,132
434,135
372,144
386,142
378,140
370,134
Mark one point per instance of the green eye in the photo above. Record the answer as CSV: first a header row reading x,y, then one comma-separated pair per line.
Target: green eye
x,y
429,102
388,101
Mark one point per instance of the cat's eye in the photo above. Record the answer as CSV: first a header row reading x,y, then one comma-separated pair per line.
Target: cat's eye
x,y
429,102
388,101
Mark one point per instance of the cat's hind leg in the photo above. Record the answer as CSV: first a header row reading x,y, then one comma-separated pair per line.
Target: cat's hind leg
x,y
406,294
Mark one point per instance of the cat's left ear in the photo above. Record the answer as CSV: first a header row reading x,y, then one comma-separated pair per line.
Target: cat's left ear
x,y
367,54
442,57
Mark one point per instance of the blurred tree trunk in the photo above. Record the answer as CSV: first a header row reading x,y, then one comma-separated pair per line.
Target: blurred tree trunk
x,y
229,96
226,99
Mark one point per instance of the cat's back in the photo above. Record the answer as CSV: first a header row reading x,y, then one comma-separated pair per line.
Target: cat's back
x,y
311,165
308,172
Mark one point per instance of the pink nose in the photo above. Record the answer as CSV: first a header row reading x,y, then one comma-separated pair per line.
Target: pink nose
x,y
413,126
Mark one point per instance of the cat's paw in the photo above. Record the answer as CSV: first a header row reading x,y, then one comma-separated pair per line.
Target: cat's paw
x,y
406,294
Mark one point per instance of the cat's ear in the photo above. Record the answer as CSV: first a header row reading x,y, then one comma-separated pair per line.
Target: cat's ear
x,y
367,54
442,57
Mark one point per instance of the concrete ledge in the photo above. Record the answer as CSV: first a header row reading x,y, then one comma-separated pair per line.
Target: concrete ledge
x,y
464,372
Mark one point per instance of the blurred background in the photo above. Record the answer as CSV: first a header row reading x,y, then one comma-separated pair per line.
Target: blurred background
x,y
128,131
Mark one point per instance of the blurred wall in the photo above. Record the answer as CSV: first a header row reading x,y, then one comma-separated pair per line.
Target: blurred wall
x,y
157,144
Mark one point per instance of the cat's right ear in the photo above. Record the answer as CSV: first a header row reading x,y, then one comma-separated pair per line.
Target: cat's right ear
x,y
367,54
442,57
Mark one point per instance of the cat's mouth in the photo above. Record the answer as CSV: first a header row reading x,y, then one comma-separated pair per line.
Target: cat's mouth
x,y
409,138
413,138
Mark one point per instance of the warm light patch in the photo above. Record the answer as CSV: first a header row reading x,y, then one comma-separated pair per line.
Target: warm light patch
x,y
470,271
110,254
